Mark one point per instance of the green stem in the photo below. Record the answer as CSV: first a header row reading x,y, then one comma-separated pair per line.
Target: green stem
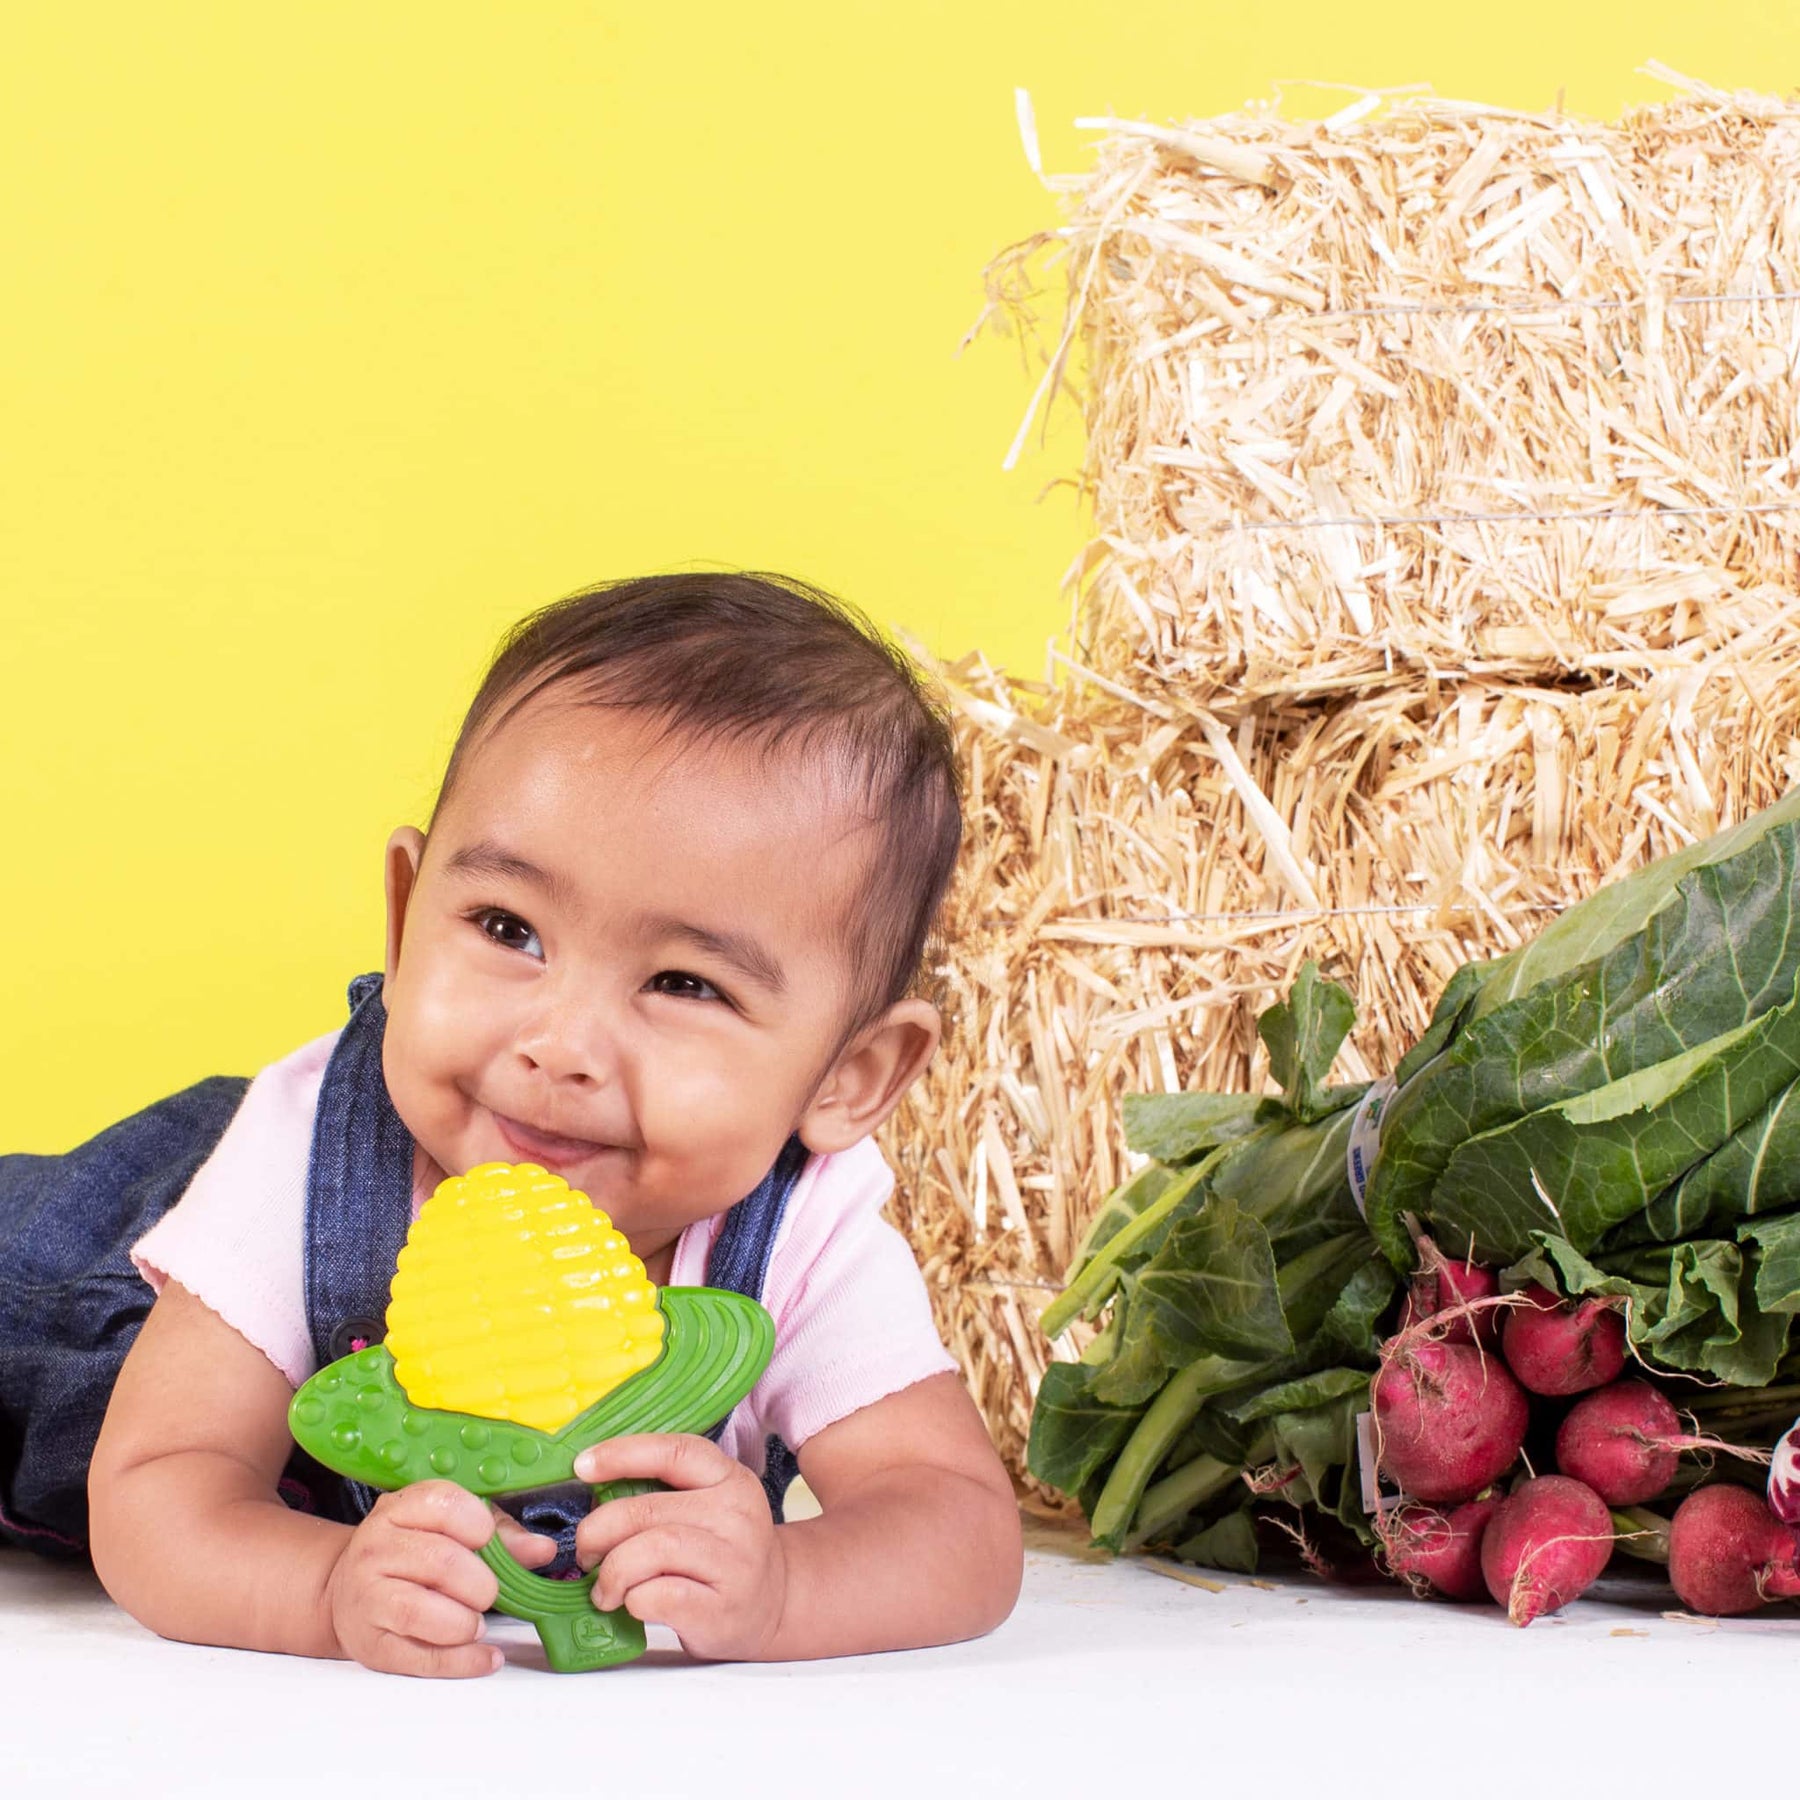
x,y
1175,1496
1169,1416
1642,1534
1096,1281
1167,1502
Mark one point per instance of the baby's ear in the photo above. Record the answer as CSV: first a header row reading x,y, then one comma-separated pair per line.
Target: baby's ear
x,y
401,874
866,1082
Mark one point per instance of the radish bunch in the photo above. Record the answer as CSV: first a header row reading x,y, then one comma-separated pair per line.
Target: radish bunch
x,y
1451,1407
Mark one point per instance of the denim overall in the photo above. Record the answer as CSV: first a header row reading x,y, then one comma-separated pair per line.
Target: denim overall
x,y
71,1302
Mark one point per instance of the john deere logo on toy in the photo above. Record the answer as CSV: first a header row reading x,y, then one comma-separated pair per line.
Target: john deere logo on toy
x,y
516,1299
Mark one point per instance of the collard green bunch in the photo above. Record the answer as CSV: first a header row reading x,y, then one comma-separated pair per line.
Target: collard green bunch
x,y
1608,1110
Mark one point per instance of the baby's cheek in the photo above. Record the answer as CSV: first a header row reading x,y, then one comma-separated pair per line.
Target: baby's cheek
x,y
422,1071
716,1128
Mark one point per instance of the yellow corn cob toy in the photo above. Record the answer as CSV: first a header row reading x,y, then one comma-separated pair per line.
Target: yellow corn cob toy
x,y
516,1299
522,1329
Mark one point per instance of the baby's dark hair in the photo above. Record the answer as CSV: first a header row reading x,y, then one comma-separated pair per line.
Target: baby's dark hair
x,y
779,663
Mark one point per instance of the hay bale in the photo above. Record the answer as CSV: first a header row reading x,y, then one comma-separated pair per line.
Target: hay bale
x,y
1445,537
1451,388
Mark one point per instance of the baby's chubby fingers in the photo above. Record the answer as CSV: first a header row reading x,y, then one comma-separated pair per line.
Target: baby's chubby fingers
x,y
439,1506
424,1615
408,1591
705,1489
689,1552
678,1459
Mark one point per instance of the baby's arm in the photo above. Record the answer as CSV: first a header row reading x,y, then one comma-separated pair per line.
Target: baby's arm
x,y
190,1536
917,1543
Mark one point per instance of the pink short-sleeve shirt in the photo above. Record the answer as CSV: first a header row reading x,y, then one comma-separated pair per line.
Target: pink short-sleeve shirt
x,y
852,1321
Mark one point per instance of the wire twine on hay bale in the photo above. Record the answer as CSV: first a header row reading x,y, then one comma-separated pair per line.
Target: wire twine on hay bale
x,y
1388,747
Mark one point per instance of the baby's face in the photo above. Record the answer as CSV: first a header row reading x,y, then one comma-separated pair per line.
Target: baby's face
x,y
622,957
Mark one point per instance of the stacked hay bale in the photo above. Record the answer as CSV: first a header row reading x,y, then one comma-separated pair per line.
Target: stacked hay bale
x,y
1443,568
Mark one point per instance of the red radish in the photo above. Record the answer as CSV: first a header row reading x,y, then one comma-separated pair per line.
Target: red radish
x,y
1558,1347
1624,1441
1442,1548
1448,1419
1546,1543
1729,1554
1440,1284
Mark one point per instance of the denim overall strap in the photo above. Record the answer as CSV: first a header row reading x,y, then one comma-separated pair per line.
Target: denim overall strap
x,y
358,1208
740,1263
358,1187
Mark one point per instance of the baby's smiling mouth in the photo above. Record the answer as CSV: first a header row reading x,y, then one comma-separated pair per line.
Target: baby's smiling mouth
x,y
546,1147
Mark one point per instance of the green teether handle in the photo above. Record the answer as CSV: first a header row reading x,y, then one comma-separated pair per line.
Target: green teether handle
x,y
575,1634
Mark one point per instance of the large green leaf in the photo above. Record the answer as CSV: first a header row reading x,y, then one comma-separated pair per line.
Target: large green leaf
x,y
1228,1544
1176,1128
1138,1357
1778,1261
1300,1395
1292,1178
1316,1446
1722,951
1756,1170
1212,1287
1136,1219
1073,1434
1598,924
1582,1167
1354,1327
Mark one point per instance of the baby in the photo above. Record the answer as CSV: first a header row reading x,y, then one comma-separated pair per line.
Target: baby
x,y
661,938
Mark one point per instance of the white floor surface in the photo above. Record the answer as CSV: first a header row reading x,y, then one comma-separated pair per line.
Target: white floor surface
x,y
1108,1677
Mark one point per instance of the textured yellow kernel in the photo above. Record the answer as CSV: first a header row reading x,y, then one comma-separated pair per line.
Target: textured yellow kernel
x,y
515,1298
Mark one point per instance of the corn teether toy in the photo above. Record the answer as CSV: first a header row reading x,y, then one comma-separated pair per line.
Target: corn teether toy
x,y
521,1330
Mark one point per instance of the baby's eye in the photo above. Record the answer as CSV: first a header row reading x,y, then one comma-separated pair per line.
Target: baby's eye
x,y
507,930
683,986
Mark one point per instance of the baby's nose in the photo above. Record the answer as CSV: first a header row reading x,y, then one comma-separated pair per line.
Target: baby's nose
x,y
570,1043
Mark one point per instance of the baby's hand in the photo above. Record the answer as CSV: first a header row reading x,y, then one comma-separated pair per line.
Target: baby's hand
x,y
408,1592
705,1559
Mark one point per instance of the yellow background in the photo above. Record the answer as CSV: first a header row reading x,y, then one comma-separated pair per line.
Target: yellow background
x,y
337,336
